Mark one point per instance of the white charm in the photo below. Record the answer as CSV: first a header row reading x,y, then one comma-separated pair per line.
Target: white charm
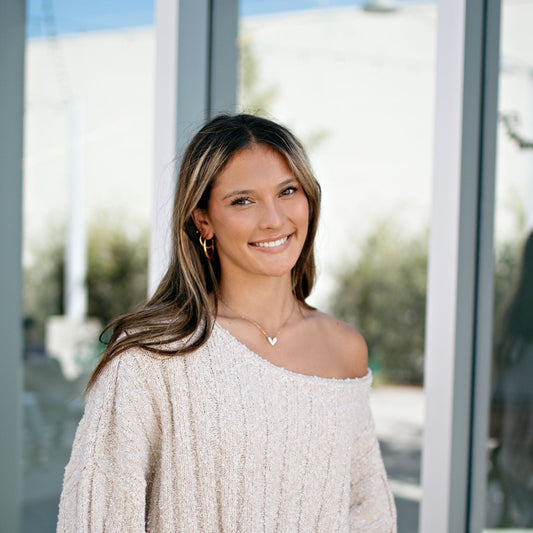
x,y
272,340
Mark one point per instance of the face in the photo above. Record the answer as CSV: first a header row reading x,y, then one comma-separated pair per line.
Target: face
x,y
258,214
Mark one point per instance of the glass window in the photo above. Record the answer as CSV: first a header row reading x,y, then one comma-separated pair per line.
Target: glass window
x,y
355,81
509,499
87,189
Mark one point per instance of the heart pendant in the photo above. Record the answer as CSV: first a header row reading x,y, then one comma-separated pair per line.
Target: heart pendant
x,y
272,340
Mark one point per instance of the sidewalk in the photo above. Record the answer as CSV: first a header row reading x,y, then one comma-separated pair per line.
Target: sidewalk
x,y
399,415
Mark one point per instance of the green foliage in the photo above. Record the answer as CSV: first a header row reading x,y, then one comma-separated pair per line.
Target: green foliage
x,y
383,295
506,273
116,274
43,281
117,271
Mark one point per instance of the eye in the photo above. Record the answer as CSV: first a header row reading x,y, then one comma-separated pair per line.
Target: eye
x,y
242,200
289,191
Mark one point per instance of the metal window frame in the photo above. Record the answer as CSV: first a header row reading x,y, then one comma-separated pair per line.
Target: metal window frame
x,y
12,49
460,271
485,269
196,78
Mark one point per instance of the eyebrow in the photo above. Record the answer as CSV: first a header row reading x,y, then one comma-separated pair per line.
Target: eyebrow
x,y
250,191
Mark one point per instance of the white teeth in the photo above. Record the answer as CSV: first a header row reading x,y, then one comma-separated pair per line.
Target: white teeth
x,y
271,244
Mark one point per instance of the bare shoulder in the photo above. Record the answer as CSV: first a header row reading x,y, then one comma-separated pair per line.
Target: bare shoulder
x,y
343,340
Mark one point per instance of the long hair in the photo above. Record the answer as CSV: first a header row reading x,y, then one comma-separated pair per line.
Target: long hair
x,y
178,319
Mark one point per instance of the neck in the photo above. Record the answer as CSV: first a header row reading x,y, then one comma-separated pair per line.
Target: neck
x,y
268,303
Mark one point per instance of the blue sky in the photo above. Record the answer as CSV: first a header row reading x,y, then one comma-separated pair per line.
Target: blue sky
x,y
55,17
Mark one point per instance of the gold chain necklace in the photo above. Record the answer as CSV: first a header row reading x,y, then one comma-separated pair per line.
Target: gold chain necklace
x,y
272,340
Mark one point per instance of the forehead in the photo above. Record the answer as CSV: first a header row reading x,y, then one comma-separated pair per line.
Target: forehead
x,y
256,164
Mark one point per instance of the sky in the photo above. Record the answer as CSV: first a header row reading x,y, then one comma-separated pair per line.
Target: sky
x,y
46,18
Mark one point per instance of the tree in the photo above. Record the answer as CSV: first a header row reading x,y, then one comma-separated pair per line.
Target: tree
x,y
383,295
117,270
116,274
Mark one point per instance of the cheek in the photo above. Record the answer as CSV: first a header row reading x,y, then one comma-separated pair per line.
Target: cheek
x,y
303,212
230,229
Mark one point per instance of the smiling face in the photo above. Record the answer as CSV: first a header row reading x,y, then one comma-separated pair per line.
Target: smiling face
x,y
258,213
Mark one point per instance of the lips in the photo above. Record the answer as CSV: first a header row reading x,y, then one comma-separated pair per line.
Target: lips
x,y
271,243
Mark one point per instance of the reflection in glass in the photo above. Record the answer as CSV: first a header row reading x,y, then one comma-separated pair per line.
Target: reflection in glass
x,y
512,404
509,495
87,179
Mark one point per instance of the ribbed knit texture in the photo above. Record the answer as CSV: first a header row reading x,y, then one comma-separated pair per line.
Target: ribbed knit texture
x,y
222,440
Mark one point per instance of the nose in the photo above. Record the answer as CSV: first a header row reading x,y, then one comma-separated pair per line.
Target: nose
x,y
272,215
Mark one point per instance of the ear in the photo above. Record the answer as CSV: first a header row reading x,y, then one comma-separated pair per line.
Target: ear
x,y
201,221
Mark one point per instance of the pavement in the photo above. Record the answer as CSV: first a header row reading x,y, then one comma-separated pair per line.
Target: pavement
x,y
399,416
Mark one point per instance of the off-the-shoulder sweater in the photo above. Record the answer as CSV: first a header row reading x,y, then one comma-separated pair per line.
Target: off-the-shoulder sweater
x,y
222,440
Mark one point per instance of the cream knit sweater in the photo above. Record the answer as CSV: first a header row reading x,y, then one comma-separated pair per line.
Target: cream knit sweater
x,y
221,440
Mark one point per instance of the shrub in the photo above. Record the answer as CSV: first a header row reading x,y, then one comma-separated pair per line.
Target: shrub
x,y
383,295
116,274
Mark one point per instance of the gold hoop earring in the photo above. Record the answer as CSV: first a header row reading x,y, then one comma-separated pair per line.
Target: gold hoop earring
x,y
209,249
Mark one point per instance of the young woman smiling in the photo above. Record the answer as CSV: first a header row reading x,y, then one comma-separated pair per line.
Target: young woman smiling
x,y
227,403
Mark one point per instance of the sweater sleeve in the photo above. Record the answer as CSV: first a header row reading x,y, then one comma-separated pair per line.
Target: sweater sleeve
x,y
107,478
372,507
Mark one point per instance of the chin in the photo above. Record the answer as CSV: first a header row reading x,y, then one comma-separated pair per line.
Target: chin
x,y
280,272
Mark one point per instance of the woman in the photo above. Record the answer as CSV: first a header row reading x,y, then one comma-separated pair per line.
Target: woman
x,y
512,402
227,403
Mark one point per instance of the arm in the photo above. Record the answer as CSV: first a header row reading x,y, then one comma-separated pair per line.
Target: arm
x,y
372,507
106,480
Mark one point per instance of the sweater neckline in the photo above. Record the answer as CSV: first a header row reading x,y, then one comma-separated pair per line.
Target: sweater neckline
x,y
261,361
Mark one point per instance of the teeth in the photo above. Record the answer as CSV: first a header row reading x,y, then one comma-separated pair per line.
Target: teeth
x,y
271,244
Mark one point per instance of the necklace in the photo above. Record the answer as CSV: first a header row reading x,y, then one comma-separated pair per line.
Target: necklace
x,y
272,340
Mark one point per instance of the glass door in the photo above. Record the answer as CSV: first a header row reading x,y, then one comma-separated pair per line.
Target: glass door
x,y
509,483
87,181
